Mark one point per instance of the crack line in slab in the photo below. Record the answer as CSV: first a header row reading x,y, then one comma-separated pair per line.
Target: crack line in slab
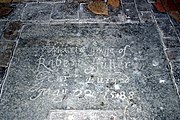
x,y
171,71
8,68
3,83
164,48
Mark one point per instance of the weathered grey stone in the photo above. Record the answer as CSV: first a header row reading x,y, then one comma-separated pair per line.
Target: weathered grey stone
x,y
166,28
60,1
178,31
2,73
16,13
131,11
146,16
65,11
89,67
127,1
86,115
173,54
2,25
6,52
37,11
171,42
142,5
11,32
176,72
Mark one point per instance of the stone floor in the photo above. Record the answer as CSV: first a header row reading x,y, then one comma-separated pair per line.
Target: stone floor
x,y
58,61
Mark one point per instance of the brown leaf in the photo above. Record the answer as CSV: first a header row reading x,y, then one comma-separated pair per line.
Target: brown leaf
x,y
5,11
175,15
114,3
98,7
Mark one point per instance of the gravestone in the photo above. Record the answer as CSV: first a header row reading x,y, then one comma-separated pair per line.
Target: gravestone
x,y
89,72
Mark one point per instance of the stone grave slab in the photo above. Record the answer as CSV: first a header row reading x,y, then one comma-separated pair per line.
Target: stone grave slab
x,y
91,69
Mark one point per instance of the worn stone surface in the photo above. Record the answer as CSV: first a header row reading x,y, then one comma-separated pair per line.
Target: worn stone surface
x,y
65,11
90,71
2,72
166,28
16,13
60,1
2,75
2,25
6,51
171,42
37,11
146,17
131,11
176,73
127,1
178,31
173,54
86,115
89,67
11,32
142,5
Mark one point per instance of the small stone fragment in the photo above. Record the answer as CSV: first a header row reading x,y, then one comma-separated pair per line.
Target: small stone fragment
x,y
114,3
98,7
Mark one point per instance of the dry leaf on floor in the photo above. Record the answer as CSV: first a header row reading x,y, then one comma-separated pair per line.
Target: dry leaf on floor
x,y
5,11
114,3
98,7
175,15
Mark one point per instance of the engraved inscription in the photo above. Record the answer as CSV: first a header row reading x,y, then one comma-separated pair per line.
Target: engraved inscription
x,y
62,66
